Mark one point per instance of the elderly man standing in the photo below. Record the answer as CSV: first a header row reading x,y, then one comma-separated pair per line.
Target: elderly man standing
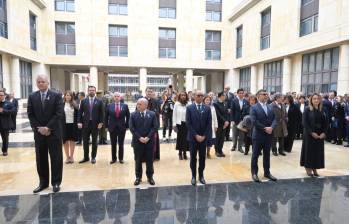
x,y
143,125
45,111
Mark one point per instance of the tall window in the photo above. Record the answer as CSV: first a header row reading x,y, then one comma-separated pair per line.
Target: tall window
x,y
118,41
167,9
167,43
245,79
3,19
214,10
118,7
1,73
239,31
265,29
25,78
273,76
32,28
213,45
320,71
65,5
309,17
65,38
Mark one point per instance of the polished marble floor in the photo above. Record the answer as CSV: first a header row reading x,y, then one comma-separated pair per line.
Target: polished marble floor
x,y
301,201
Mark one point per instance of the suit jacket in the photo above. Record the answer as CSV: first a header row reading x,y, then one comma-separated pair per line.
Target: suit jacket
x,y
347,111
222,113
50,116
198,122
112,122
15,104
281,117
143,127
238,114
261,120
327,105
97,112
294,116
6,123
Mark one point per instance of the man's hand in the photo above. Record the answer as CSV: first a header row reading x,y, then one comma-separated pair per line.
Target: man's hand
x,y
322,136
226,124
142,140
314,135
146,140
198,138
347,117
268,130
215,129
175,129
80,125
100,125
44,131
1,109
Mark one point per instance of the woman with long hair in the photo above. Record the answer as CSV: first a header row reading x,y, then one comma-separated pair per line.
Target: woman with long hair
x,y
179,113
212,141
315,126
70,129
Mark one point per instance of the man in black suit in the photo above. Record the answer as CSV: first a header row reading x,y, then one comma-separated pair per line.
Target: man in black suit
x,y
45,111
223,123
229,96
7,109
264,122
81,97
199,124
117,116
239,109
143,124
90,120
14,101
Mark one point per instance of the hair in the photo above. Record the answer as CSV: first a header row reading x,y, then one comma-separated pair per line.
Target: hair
x,y
144,100
311,106
277,96
82,94
290,99
220,94
239,90
91,87
72,102
301,96
254,97
259,92
207,97
183,102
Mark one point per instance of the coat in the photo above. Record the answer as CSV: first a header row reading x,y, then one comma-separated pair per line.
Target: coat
x,y
281,116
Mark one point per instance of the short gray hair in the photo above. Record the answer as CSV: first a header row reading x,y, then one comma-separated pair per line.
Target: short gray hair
x,y
144,100
43,76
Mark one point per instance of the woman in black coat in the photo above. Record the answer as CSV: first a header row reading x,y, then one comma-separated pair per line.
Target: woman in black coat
x,y
294,117
315,126
339,121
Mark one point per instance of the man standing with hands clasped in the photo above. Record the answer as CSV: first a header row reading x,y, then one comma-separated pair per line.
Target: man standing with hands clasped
x,y
45,111
199,123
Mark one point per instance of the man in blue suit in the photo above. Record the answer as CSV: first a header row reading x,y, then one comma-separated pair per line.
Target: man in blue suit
x,y
143,124
117,117
347,120
199,124
264,122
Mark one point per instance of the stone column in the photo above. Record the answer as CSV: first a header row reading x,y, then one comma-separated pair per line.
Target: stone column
x,y
181,82
15,77
189,80
286,76
343,70
254,79
203,83
93,77
143,80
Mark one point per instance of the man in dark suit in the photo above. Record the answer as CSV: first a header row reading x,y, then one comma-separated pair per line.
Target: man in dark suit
x,y
347,120
223,123
7,109
239,109
45,111
90,120
14,101
117,117
81,97
199,124
229,96
264,122
143,124
327,105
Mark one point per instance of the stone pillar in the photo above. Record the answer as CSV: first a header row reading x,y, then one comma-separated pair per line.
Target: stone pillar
x,y
343,70
15,77
189,80
143,80
286,76
72,82
174,81
254,79
228,78
203,83
93,77
181,82
235,73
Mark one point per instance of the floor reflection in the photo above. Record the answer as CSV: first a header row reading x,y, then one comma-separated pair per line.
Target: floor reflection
x,y
287,201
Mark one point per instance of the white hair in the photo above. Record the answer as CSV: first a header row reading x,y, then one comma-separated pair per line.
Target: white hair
x,y
117,94
142,100
42,76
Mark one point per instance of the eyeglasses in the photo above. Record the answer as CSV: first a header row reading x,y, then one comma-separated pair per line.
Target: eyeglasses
x,y
264,94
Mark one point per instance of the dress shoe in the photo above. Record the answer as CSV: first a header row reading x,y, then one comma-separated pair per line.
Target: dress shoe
x,y
185,156
347,145
193,181
202,180
78,143
112,162
233,149
93,161
242,151
151,181
56,188
255,178
222,154
84,160
4,154
275,153
218,155
122,161
282,153
40,188
270,177
137,181
180,156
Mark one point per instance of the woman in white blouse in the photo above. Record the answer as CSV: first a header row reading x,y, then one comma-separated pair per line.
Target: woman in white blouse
x,y
210,142
69,126
178,119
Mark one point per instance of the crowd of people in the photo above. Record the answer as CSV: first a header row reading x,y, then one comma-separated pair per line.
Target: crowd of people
x,y
261,123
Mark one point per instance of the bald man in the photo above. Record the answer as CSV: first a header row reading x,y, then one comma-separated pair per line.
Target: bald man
x,y
45,112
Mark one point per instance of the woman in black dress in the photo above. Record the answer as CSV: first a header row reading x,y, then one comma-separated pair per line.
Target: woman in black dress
x,y
179,113
70,128
315,126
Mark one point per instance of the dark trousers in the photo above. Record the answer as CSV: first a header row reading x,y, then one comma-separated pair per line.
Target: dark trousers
x,y
142,151
14,120
117,136
227,132
289,139
248,142
79,135
4,137
167,123
280,140
52,146
195,148
257,147
86,132
220,135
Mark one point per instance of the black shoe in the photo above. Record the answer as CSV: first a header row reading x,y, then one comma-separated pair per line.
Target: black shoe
x,y
122,161
84,160
282,153
185,156
275,153
193,181
270,177
137,181
255,178
202,180
56,188
151,181
113,161
93,161
246,152
240,150
347,145
233,149
40,188
4,154
219,154
180,156
78,143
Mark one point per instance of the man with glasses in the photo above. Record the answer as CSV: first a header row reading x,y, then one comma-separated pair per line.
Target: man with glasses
x,y
199,124
264,122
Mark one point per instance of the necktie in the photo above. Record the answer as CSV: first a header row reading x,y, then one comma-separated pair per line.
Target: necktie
x,y
117,110
91,107
43,97
265,109
142,115
199,106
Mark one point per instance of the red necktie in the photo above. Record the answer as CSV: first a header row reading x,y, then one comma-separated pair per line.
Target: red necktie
x,y
117,111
